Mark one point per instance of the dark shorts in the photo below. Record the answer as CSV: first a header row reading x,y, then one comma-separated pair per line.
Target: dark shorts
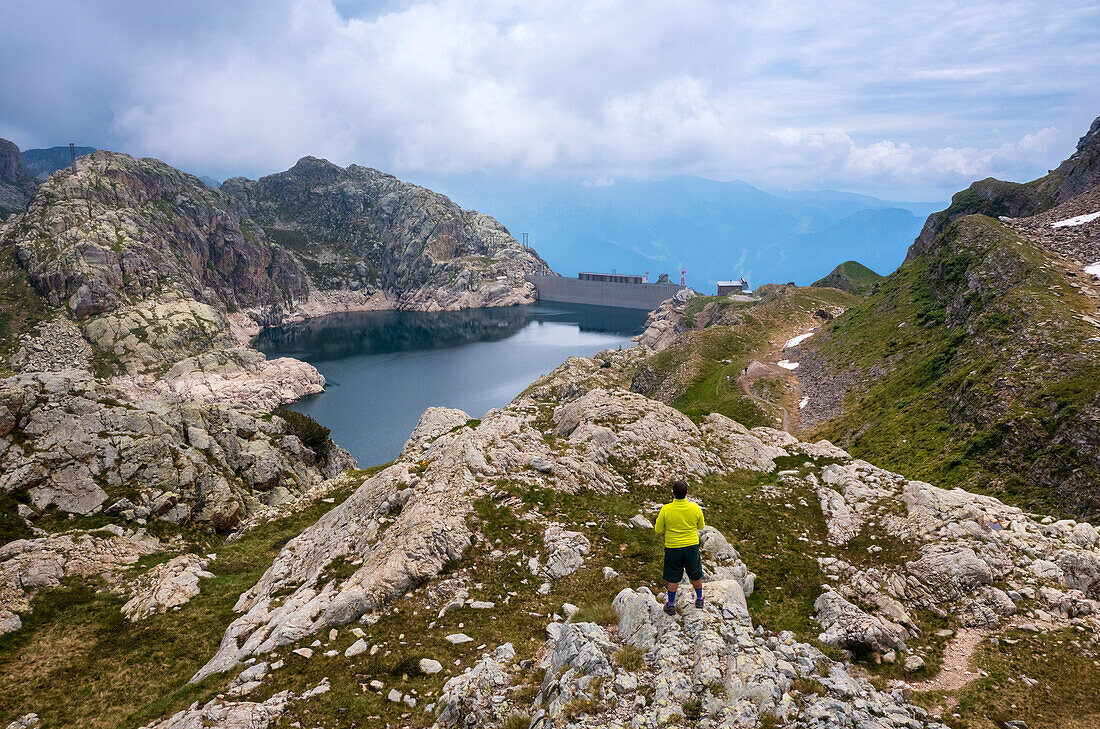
x,y
678,559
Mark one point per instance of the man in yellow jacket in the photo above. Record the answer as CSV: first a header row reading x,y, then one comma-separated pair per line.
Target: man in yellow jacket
x,y
681,522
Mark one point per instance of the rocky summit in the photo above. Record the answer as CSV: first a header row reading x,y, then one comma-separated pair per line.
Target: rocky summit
x,y
364,235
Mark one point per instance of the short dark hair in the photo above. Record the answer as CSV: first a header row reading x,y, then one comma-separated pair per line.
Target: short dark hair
x,y
679,489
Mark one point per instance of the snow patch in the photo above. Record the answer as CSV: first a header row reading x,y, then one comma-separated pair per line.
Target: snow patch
x,y
787,364
1079,220
803,402
795,341
1094,269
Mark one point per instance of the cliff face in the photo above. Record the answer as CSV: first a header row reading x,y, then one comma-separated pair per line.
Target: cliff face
x,y
122,230
360,230
16,186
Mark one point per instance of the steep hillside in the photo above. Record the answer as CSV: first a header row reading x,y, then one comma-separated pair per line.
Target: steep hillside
x,y
718,354
977,363
358,229
850,276
16,186
41,163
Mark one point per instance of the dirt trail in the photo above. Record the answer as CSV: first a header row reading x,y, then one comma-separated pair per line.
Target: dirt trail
x,y
955,670
757,371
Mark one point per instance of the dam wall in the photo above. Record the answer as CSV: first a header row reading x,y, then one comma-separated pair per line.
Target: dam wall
x,y
646,296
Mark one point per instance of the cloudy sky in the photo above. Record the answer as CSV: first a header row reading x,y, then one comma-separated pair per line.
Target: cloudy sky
x,y
903,103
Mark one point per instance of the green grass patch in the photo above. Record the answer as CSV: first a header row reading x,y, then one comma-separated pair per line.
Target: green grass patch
x,y
78,661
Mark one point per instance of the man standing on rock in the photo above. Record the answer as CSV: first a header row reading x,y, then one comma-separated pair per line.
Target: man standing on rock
x,y
681,522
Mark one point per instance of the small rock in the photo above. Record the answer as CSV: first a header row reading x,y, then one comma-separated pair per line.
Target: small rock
x,y
303,652
429,666
359,646
459,638
376,685
609,574
569,610
641,522
541,465
394,695
914,664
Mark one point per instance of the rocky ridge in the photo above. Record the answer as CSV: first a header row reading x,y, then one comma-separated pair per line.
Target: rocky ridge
x,y
997,198
16,186
361,232
961,555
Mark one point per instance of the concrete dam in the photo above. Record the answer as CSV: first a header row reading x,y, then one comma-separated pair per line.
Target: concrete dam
x,y
624,291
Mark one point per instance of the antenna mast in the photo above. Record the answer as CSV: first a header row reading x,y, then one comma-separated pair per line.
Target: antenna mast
x,y
682,272
72,157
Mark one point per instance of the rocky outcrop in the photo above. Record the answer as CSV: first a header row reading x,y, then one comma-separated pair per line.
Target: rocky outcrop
x,y
30,565
166,586
236,714
16,186
713,664
239,377
151,335
70,441
847,626
997,198
402,525
666,322
122,230
470,694
360,230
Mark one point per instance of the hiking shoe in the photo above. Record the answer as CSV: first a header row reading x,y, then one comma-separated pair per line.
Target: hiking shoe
x,y
699,604
670,609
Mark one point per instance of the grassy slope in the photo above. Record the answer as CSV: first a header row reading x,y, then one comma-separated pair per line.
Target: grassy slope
x,y
989,382
78,662
20,307
850,276
692,374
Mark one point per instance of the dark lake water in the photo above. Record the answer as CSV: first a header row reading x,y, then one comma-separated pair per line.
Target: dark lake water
x,y
384,368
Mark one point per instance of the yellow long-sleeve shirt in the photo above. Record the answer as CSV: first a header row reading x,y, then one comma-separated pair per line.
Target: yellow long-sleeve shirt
x,y
680,522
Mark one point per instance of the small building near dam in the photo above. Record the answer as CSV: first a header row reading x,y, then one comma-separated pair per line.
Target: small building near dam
x,y
725,288
627,291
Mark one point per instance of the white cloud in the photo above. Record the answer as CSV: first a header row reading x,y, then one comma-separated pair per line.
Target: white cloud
x,y
860,95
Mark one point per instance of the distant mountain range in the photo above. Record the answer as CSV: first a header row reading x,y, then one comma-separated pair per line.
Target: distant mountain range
x,y
40,163
716,230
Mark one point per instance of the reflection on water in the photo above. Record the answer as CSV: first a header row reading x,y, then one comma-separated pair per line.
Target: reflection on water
x,y
384,368
374,332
